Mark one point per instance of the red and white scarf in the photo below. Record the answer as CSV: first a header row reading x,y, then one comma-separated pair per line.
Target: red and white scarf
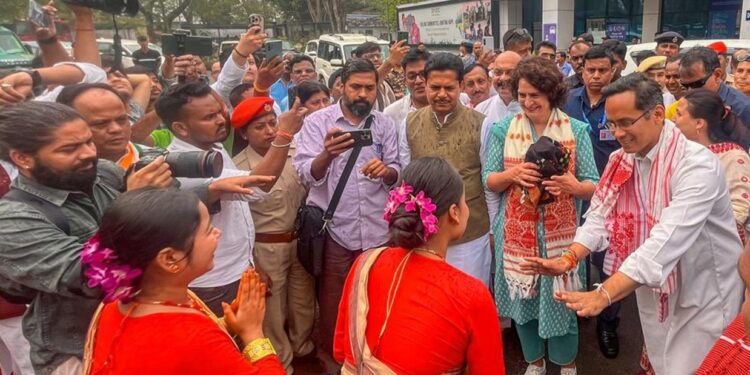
x,y
520,228
630,216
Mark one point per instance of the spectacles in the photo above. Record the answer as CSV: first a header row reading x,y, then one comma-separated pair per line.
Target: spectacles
x,y
372,55
696,84
611,126
743,57
414,76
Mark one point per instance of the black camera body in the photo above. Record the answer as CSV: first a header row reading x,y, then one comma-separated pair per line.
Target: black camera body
x,y
128,7
180,42
188,164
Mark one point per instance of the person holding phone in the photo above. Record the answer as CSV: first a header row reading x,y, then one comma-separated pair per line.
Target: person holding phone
x,y
323,148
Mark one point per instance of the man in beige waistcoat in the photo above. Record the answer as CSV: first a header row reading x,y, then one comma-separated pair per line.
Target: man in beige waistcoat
x,y
447,129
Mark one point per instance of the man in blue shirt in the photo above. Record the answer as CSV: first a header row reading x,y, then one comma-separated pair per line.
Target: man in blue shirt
x,y
586,103
280,90
700,68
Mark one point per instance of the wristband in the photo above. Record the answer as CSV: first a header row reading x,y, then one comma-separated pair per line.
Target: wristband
x,y
50,40
259,90
258,349
240,53
285,135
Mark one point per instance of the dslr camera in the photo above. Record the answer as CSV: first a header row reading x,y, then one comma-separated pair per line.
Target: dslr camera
x,y
128,7
189,164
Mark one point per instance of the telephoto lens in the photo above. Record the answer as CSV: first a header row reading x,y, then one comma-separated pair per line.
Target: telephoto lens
x,y
189,164
195,164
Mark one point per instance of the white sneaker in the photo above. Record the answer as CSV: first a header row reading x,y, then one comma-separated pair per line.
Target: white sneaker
x,y
568,371
537,370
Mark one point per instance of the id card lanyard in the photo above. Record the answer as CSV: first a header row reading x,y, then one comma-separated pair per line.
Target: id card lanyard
x,y
603,133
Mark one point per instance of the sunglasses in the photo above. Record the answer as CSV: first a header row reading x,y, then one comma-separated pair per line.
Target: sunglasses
x,y
518,33
742,58
696,84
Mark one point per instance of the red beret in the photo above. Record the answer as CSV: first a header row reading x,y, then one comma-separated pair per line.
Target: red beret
x,y
251,108
719,47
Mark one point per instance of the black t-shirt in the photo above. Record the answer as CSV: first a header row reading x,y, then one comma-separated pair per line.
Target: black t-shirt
x,y
149,59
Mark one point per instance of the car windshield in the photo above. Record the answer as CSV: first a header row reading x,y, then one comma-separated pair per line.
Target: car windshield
x,y
384,50
10,45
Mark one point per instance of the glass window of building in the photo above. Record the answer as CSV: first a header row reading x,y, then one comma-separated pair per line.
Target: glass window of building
x,y
615,19
702,19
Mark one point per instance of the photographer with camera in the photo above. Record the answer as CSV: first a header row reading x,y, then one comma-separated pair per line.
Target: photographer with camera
x,y
199,120
53,207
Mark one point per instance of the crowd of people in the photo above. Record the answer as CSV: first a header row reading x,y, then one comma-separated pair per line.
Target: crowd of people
x,y
171,218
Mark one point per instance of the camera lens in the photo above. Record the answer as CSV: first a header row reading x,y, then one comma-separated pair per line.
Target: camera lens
x,y
195,164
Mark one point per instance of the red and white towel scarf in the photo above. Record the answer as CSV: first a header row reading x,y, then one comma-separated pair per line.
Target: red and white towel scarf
x,y
629,215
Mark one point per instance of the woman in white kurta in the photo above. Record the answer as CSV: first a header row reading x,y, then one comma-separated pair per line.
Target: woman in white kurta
x,y
703,118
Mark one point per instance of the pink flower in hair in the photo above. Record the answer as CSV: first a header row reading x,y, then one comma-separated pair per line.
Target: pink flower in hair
x,y
396,197
102,270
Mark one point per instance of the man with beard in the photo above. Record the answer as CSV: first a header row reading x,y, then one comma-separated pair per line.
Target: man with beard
x,y
450,131
105,110
54,206
576,52
477,84
587,104
56,158
357,223
413,64
198,119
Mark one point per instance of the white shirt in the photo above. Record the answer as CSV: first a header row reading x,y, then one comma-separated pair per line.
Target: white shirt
x,y
230,77
697,236
399,109
10,169
234,252
668,98
494,110
91,74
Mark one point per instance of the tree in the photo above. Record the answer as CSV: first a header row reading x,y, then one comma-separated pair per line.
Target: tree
x,y
160,14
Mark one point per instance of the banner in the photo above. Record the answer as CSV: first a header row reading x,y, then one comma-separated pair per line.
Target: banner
x,y
451,23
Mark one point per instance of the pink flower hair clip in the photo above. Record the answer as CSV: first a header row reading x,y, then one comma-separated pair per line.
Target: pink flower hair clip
x,y
403,195
102,270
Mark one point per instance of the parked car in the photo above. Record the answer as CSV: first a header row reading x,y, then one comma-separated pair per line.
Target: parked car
x,y
332,51
732,46
106,47
34,47
13,54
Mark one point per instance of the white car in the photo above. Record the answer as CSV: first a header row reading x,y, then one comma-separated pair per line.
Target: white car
x,y
732,46
106,47
332,51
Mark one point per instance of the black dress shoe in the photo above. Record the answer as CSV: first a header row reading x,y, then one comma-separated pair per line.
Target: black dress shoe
x,y
609,344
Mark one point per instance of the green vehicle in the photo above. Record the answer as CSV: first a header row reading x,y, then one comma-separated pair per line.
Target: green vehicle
x,y
13,54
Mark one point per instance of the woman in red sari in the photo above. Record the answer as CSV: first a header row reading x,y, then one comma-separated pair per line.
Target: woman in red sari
x,y
150,246
405,310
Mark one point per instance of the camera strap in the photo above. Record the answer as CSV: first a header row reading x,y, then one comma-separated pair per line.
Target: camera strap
x,y
328,216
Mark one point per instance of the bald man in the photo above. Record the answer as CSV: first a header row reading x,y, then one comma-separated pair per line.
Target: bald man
x,y
503,104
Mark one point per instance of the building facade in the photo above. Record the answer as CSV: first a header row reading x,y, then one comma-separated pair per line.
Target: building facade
x,y
626,20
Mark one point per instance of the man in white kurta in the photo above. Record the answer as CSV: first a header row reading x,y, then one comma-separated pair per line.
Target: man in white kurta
x,y
694,235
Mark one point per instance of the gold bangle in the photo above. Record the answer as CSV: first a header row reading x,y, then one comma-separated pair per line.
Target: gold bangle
x,y
259,90
258,349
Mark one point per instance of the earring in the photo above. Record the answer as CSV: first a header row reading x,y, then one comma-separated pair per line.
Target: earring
x,y
174,268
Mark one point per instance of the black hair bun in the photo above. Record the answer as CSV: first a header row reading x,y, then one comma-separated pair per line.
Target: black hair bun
x,y
406,229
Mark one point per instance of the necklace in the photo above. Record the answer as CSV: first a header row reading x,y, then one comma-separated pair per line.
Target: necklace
x,y
191,304
430,251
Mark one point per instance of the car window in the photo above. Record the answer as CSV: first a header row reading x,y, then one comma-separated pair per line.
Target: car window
x,y
322,50
104,47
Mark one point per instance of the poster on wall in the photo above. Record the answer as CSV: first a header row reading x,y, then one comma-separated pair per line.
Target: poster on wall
x,y
451,23
550,32
618,31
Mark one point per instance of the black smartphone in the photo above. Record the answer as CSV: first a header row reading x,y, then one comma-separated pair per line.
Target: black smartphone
x,y
292,95
402,35
361,138
179,44
271,49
